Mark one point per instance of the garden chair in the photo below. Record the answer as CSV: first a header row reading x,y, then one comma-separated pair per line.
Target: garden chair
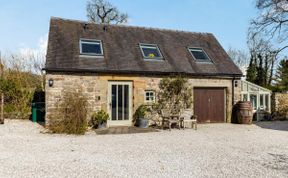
x,y
170,119
188,118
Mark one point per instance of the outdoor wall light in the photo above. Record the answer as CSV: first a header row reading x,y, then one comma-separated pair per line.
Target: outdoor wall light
x,y
50,82
236,83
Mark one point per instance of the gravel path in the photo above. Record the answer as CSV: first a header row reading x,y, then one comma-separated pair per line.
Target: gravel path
x,y
214,150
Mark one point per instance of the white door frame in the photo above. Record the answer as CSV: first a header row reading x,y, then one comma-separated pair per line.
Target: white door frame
x,y
109,104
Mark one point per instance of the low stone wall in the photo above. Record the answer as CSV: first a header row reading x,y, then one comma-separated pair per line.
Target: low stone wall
x,y
279,105
95,87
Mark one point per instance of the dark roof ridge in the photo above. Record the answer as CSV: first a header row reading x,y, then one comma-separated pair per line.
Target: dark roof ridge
x,y
132,26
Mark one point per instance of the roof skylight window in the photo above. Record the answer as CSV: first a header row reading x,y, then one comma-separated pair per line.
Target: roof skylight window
x,y
91,47
199,54
151,51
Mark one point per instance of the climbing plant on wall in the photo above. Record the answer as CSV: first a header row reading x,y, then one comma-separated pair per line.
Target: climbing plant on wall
x,y
174,94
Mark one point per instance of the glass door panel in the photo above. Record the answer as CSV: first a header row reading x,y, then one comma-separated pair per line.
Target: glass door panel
x,y
253,100
267,100
114,102
120,102
126,102
261,101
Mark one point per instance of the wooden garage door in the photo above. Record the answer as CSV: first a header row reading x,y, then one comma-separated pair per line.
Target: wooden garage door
x,y
209,104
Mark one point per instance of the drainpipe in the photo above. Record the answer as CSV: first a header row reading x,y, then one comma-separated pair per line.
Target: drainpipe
x,y
233,81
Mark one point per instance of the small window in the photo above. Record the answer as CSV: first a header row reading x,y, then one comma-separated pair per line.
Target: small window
x,y
244,97
91,47
149,96
267,101
150,51
199,54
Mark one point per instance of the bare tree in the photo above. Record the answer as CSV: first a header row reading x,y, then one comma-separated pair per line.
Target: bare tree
x,y
101,11
240,58
272,22
263,57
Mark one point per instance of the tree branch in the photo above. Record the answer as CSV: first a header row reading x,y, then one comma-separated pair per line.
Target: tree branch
x,y
100,11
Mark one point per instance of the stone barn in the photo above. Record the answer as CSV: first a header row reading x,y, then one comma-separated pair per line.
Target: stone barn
x,y
119,68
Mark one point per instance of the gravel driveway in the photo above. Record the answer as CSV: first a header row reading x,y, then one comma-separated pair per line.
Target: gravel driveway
x,y
214,150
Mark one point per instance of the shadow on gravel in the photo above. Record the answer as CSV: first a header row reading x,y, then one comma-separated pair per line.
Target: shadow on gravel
x,y
41,124
278,162
124,130
274,125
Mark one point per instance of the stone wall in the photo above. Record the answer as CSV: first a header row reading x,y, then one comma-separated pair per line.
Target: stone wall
x,y
279,104
95,87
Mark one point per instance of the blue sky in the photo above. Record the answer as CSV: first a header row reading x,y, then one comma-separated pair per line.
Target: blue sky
x,y
24,22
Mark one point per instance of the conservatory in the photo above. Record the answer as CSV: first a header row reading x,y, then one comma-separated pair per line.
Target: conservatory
x,y
260,97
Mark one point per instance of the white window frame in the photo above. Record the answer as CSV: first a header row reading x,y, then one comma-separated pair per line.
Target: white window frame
x,y
190,49
154,96
151,46
90,41
267,103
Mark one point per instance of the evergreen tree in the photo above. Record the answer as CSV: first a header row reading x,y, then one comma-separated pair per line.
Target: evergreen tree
x,y
252,70
260,77
260,69
282,75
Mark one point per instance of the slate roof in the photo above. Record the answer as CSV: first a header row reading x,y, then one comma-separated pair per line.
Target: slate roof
x,y
123,55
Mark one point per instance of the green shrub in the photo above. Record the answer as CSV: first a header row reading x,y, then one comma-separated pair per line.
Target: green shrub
x,y
18,94
98,118
70,115
141,112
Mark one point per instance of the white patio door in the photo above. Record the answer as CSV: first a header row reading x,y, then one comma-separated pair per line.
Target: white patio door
x,y
120,103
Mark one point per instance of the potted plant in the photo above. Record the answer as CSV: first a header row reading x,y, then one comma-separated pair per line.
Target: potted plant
x,y
140,116
99,119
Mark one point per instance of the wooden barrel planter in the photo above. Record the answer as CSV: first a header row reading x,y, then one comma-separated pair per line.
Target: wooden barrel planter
x,y
244,112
